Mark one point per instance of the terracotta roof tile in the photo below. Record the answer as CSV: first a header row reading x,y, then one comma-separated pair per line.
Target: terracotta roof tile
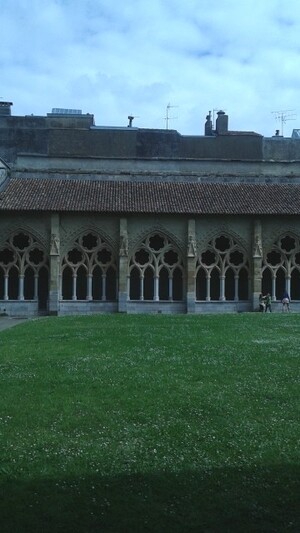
x,y
149,197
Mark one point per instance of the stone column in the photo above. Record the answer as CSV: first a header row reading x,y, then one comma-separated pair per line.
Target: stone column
x,y
54,265
256,263
156,288
236,288
103,287
21,288
222,288
208,288
89,287
74,287
36,287
191,267
123,267
6,287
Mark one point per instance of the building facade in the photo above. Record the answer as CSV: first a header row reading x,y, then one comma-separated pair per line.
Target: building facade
x,y
96,219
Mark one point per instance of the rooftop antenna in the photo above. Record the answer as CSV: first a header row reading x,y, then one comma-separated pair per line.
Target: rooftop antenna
x,y
131,118
283,116
167,117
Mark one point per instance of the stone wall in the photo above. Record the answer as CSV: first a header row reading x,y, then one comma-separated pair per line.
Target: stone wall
x,y
179,231
57,136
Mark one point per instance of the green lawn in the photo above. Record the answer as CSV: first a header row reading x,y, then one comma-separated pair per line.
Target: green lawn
x,y
156,423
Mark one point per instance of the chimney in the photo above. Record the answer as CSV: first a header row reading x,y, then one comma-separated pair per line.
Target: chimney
x,y
208,128
221,123
5,108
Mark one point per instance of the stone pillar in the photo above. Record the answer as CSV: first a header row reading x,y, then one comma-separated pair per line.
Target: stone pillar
x,y
256,263
36,287
54,265
6,287
21,288
170,288
288,284
191,267
103,287
208,288
156,288
123,267
222,288
74,287
236,288
89,287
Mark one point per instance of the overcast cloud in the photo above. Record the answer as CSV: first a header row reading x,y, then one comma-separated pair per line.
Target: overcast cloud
x,y
116,58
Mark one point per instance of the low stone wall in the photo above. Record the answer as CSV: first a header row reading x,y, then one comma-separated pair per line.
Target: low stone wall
x,y
70,307
222,307
17,308
149,307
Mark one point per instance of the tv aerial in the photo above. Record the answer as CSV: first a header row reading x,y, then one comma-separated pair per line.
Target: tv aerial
x,y
283,116
167,117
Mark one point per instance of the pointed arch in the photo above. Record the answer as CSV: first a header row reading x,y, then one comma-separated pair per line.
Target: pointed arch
x,y
89,266
281,259
158,262
295,284
223,262
22,259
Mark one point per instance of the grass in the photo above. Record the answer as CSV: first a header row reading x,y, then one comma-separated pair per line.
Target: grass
x,y
179,424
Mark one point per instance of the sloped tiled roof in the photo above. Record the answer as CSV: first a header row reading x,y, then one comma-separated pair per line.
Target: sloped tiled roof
x,y
149,197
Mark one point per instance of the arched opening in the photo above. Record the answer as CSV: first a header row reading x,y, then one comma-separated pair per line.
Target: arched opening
x,y
92,262
201,284
97,283
22,258
229,284
243,286
111,284
148,284
295,284
163,284
29,284
224,271
43,288
177,284
81,283
215,284
1,284
67,283
280,283
160,266
13,283
267,281
135,277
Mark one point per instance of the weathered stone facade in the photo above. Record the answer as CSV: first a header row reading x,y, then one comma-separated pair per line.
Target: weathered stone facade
x,y
145,221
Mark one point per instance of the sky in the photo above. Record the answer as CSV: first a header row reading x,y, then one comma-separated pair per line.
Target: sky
x,y
154,59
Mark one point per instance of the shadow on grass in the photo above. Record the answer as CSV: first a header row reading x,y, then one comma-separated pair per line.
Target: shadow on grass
x,y
224,500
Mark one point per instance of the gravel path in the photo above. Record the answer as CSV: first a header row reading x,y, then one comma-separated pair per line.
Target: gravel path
x,y
7,322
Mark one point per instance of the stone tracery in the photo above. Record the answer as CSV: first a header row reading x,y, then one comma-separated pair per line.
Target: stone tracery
x,y
156,270
281,268
89,270
23,269
222,271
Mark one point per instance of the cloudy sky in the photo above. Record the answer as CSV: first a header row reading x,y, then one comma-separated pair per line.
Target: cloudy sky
x,y
114,58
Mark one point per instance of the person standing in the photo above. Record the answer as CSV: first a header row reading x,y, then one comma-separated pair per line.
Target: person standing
x,y
285,302
268,301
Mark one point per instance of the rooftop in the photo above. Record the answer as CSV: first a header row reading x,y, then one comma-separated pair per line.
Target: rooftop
x,y
148,197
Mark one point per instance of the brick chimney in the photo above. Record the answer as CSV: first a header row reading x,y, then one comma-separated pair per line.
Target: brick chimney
x,y
221,123
208,128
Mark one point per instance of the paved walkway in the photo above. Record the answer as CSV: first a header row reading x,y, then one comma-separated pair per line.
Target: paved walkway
x,y
7,322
